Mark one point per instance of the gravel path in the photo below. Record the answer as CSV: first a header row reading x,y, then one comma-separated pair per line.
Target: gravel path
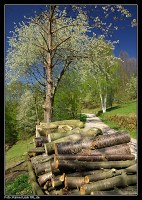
x,y
93,121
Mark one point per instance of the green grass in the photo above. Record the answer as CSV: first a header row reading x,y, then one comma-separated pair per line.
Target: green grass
x,y
18,151
112,125
124,109
20,186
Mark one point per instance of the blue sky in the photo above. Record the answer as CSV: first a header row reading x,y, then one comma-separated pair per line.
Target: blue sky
x,y
127,37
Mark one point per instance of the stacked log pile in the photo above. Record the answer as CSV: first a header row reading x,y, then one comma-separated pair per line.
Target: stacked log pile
x,y
70,160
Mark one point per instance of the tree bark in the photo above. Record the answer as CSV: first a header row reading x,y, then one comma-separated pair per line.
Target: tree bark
x,y
86,173
47,185
94,157
122,180
50,147
73,123
130,190
116,149
97,142
43,167
72,165
57,135
44,178
40,140
37,150
41,159
73,182
35,187
113,172
56,181
49,91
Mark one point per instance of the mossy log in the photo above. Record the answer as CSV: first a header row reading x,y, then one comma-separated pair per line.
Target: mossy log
x,y
72,123
94,157
100,141
35,187
121,149
64,128
122,180
73,165
43,129
58,135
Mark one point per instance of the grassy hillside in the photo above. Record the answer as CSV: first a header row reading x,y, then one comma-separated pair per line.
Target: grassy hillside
x,y
19,184
18,151
121,117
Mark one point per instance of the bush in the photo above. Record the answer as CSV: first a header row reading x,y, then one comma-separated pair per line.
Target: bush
x,y
127,121
82,117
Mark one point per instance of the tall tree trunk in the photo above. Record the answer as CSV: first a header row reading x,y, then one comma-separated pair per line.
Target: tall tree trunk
x,y
103,102
49,89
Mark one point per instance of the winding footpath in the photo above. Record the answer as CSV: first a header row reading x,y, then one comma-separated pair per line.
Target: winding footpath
x,y
94,122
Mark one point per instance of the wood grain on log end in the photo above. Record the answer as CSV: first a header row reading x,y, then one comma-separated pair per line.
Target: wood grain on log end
x,y
82,191
86,179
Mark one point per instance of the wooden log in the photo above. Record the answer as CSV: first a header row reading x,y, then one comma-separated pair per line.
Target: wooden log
x,y
56,182
49,147
58,135
37,150
40,140
41,159
44,178
56,192
111,173
85,173
74,182
84,132
43,129
74,192
72,123
68,147
64,128
94,157
35,187
43,167
73,165
122,180
130,190
100,141
131,169
116,149
47,185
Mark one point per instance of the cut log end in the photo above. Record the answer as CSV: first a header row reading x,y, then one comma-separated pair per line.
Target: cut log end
x,y
55,149
56,164
62,177
86,179
82,191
